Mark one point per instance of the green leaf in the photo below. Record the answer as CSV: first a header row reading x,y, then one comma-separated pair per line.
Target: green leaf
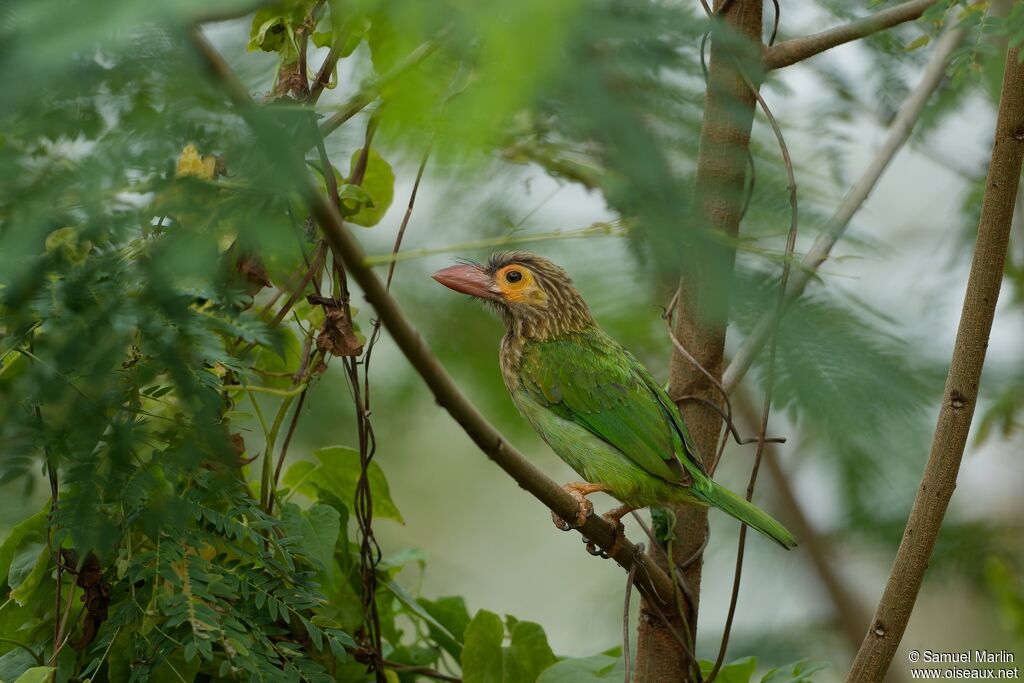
x,y
15,662
338,473
918,42
318,527
452,614
37,674
379,184
584,670
738,671
797,672
32,527
355,194
404,557
27,570
528,654
482,656
484,660
323,38
271,26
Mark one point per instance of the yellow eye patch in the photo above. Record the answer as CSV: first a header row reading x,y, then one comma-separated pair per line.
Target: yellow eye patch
x,y
518,285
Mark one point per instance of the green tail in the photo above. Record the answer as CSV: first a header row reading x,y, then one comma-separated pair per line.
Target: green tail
x,y
748,513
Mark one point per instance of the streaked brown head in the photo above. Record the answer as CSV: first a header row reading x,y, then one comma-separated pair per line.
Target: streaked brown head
x,y
536,298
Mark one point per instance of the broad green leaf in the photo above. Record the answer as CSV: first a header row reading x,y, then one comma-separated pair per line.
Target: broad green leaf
x,y
37,674
354,195
528,653
318,527
27,570
378,183
339,472
452,614
484,660
14,663
271,27
298,477
323,38
404,557
409,601
738,671
482,656
584,670
797,672
32,527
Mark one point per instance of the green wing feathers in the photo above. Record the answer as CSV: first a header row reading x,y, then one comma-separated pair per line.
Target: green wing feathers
x,y
748,513
588,379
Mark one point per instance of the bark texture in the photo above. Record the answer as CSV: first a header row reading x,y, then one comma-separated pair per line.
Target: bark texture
x,y
701,311
961,391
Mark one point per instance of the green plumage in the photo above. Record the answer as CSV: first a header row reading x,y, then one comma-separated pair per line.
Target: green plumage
x,y
597,407
602,412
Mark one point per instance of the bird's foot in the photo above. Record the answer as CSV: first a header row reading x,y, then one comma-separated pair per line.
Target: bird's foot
x,y
585,510
614,518
579,491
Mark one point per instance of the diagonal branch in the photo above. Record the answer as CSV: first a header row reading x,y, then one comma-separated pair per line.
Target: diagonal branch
x,y
899,132
651,580
960,395
798,49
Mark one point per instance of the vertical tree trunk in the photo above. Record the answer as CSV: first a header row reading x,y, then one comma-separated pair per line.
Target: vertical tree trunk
x,y
961,393
702,307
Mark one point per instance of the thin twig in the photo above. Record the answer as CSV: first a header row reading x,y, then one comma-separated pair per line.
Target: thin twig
x,y
406,217
849,612
51,475
740,441
616,228
630,578
323,75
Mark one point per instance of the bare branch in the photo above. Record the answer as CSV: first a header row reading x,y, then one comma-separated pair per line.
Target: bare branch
x,y
960,395
798,49
899,132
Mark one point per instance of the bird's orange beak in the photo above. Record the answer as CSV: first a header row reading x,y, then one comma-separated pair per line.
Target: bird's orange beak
x,y
470,280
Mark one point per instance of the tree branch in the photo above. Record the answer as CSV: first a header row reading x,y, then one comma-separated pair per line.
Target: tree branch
x,y
700,315
899,132
961,392
798,49
651,580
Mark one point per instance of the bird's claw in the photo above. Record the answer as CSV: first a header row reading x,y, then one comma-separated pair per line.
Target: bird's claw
x,y
586,508
595,550
617,538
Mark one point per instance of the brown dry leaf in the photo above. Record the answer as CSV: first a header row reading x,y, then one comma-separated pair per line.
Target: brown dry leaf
x,y
96,595
336,335
250,266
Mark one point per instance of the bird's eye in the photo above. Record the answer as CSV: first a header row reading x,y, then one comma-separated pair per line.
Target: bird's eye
x,y
513,276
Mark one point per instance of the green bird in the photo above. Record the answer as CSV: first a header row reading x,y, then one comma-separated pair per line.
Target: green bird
x,y
592,401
